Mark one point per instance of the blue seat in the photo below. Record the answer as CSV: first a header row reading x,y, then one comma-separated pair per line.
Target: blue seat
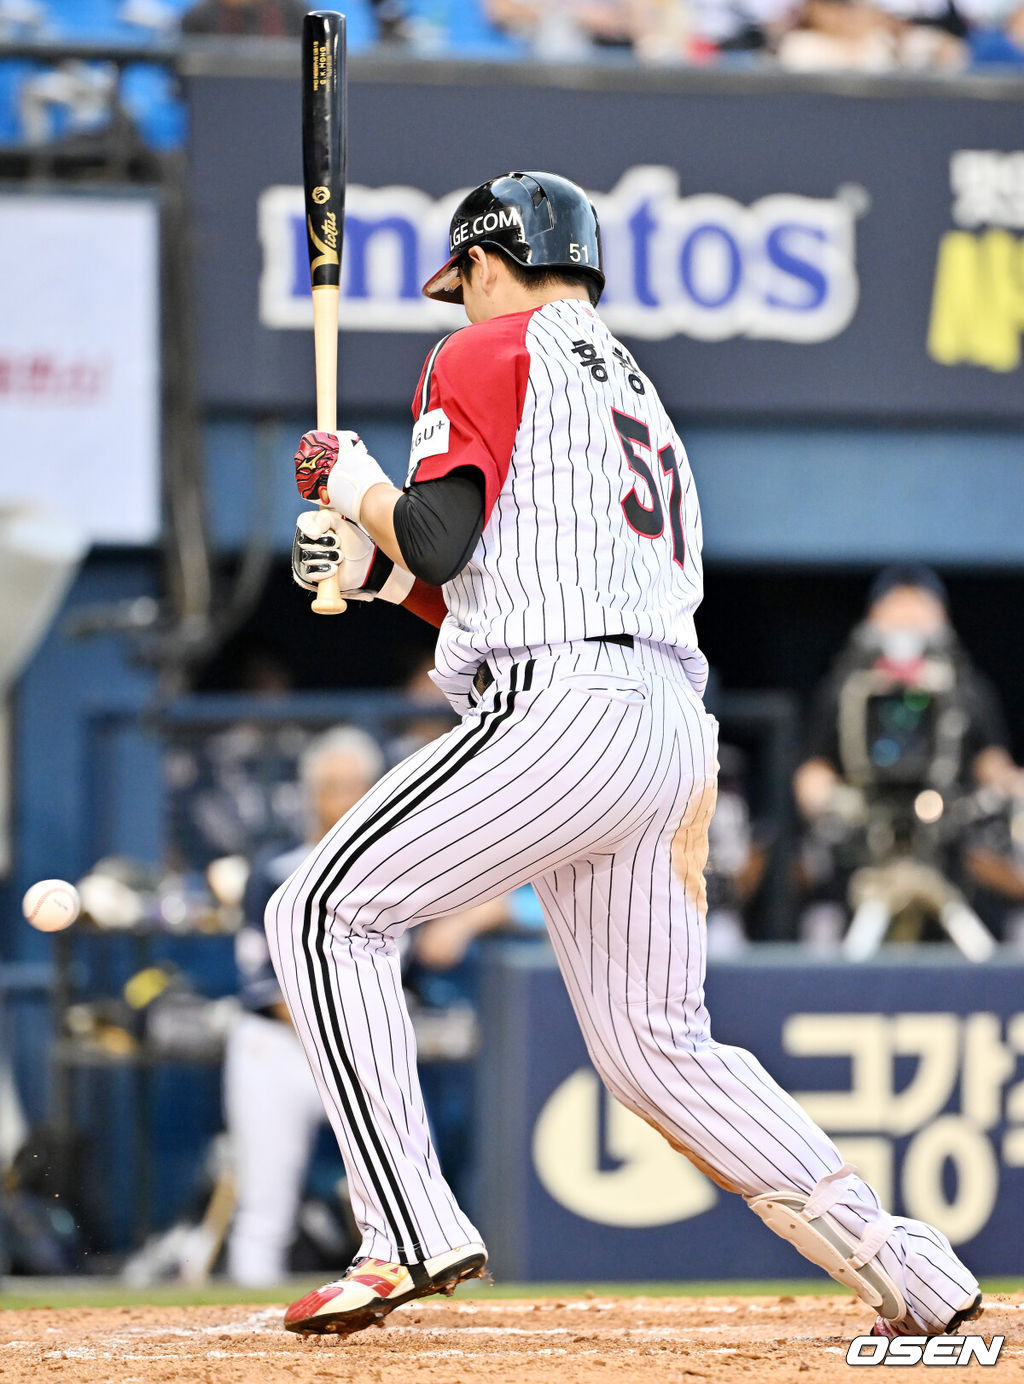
x,y
86,19
12,74
149,95
471,31
466,28
360,26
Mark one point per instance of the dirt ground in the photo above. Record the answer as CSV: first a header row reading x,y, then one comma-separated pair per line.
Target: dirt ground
x,y
547,1341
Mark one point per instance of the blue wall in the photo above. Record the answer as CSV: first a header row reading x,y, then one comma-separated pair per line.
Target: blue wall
x,y
812,494
845,495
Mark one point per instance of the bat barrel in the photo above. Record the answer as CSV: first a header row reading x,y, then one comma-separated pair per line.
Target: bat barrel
x,y
324,143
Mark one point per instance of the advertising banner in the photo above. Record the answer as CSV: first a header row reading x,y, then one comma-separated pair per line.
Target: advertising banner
x,y
916,1070
79,361
775,252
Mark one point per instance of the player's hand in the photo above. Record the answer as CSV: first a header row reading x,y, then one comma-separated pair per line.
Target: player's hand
x,y
326,543
336,469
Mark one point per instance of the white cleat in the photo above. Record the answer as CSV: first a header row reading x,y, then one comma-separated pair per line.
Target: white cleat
x,y
372,1288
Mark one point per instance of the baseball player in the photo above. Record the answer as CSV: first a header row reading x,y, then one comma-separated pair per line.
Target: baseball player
x,y
549,525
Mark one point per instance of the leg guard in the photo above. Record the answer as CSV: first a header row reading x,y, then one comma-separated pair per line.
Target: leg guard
x,y
805,1221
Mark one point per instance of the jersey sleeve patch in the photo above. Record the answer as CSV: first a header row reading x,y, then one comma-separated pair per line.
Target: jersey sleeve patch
x,y
431,437
470,402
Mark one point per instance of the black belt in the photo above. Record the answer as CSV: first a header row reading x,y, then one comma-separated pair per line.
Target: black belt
x,y
483,677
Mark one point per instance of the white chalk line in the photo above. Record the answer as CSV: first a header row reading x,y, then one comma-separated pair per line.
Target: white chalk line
x,y
265,1321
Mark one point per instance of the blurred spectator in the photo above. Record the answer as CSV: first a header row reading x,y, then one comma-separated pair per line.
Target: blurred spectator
x,y
996,31
928,33
835,35
737,26
876,36
391,21
907,756
657,31
736,860
248,18
565,29
232,789
272,1106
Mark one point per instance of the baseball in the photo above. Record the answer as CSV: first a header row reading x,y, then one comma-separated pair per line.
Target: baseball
x,y
51,905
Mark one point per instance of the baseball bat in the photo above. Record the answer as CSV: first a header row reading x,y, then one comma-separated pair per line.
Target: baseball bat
x,y
324,157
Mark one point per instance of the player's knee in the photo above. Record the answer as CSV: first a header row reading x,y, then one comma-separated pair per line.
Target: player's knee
x,y
293,906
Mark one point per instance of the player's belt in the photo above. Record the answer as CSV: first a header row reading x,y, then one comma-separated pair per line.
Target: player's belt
x,y
483,677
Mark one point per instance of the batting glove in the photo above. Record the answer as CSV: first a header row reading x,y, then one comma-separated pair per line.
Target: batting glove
x,y
326,542
336,469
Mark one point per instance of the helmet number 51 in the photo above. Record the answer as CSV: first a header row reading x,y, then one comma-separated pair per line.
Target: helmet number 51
x,y
579,253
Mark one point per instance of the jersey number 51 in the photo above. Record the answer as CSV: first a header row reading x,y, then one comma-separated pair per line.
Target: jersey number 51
x,y
649,520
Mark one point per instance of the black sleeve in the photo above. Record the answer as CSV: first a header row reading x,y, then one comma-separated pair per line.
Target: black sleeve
x,y
986,724
438,524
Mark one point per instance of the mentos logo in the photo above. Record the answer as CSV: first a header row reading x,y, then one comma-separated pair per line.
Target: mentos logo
x,y
704,266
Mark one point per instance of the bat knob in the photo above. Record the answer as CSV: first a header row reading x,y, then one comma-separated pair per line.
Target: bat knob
x,y
328,599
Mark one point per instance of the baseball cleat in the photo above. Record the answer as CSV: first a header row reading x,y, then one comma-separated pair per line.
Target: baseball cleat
x,y
372,1288
906,1326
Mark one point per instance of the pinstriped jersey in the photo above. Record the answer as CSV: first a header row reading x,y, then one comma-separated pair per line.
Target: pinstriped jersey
x,y
591,520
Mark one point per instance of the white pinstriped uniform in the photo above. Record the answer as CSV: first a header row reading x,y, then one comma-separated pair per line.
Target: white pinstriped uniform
x,y
587,768
559,559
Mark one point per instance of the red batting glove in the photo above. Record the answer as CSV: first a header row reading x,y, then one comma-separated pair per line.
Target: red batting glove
x,y
318,451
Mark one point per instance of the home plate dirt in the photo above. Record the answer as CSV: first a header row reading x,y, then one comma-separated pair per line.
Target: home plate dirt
x,y
582,1340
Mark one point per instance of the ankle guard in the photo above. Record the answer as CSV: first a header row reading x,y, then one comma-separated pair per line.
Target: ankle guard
x,y
806,1222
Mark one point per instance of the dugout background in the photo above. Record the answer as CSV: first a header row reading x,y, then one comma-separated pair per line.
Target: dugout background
x,y
817,460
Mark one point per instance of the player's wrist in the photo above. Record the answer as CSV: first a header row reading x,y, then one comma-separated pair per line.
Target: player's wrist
x,y
398,585
352,476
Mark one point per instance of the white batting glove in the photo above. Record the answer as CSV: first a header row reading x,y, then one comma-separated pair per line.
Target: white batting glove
x,y
337,470
326,542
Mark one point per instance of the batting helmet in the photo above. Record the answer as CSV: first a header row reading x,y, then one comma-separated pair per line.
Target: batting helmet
x,y
539,220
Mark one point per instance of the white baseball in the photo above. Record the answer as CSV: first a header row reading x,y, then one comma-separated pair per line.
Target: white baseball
x,y
51,905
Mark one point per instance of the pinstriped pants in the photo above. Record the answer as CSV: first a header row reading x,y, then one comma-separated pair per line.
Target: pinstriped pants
x,y
590,772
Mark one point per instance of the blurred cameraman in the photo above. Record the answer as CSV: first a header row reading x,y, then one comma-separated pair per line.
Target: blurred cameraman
x,y
909,788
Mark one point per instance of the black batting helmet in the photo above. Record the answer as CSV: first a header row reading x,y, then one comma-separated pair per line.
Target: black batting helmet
x,y
539,220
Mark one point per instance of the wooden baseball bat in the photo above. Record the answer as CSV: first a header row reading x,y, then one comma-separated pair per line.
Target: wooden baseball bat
x,y
324,157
